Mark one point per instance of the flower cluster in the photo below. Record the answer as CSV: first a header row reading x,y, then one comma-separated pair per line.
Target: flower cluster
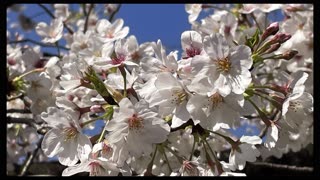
x,y
161,114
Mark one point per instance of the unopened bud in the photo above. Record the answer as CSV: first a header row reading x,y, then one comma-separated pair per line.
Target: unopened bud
x,y
280,38
273,48
272,29
289,54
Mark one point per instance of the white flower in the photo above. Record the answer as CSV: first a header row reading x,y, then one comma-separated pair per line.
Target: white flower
x,y
52,33
162,63
272,136
211,108
191,42
193,10
39,86
121,57
245,151
96,166
111,32
227,66
171,97
65,139
137,126
266,8
61,11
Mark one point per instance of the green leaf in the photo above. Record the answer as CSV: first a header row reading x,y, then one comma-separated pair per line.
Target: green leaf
x,y
99,86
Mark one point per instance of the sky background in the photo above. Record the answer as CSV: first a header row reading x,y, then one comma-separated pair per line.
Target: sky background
x,y
148,22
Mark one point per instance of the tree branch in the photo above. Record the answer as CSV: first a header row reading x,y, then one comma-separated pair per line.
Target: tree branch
x,y
51,15
23,111
87,19
30,158
38,43
20,120
114,13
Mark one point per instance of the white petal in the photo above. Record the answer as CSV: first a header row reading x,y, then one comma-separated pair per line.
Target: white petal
x,y
251,139
71,170
51,143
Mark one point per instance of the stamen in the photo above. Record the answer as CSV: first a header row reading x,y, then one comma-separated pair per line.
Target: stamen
x,y
135,122
70,133
223,65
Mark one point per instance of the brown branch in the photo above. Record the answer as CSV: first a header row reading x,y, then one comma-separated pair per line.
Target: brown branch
x,y
23,111
87,19
114,13
283,167
38,43
30,158
28,121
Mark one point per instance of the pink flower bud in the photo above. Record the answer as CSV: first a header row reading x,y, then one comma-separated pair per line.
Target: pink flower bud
x,y
280,37
289,54
273,48
272,29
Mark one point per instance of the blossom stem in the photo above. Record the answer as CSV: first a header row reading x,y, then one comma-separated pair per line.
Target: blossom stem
x,y
228,139
193,146
90,121
273,102
27,73
149,168
210,162
219,166
255,20
165,156
265,87
175,154
108,115
262,115
124,75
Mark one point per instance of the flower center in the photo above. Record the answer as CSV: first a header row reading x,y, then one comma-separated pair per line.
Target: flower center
x,y
135,122
109,34
192,52
295,105
106,149
216,99
178,96
70,133
118,60
223,65
95,169
135,56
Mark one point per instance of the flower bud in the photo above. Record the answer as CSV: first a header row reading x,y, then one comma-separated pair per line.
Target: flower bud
x,y
289,54
272,29
280,38
273,48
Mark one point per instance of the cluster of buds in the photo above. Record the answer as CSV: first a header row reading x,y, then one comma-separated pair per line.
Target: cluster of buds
x,y
271,41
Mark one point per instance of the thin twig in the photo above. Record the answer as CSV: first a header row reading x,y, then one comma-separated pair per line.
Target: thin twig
x,y
114,13
19,120
38,43
283,167
22,111
30,158
51,15
87,19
